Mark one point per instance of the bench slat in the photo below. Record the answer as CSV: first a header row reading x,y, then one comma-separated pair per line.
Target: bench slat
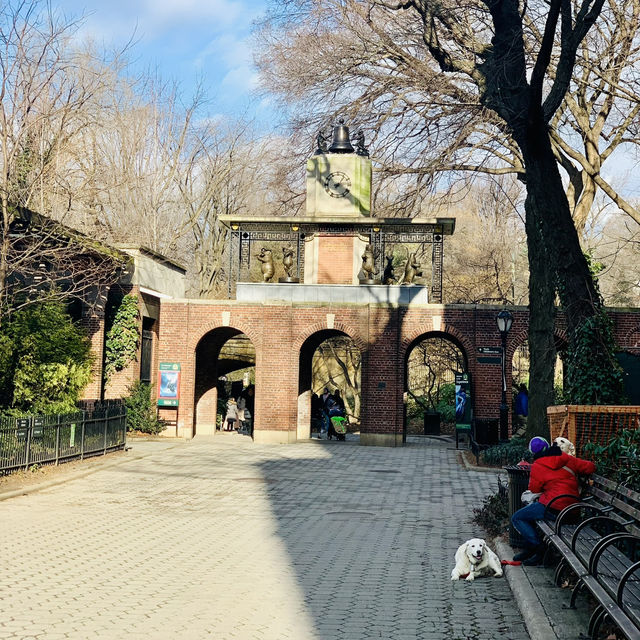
x,y
595,539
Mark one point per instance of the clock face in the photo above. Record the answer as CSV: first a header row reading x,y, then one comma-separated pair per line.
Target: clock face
x,y
337,184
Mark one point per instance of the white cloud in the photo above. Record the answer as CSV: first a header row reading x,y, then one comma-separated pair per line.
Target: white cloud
x,y
228,49
153,20
242,79
217,14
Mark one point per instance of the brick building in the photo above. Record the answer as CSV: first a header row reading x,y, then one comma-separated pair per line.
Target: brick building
x,y
331,281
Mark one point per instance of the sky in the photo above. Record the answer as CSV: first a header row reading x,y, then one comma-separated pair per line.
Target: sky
x,y
185,40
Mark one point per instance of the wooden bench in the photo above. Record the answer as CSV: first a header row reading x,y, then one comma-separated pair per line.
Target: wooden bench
x,y
598,540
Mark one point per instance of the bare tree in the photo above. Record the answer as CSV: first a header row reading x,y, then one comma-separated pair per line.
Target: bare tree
x,y
337,364
486,258
227,174
462,87
44,98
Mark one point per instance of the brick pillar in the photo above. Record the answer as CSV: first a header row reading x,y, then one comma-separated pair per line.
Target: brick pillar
x,y
382,382
276,380
206,412
92,321
173,347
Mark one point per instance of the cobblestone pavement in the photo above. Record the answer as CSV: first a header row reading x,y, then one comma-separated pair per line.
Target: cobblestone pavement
x,y
223,538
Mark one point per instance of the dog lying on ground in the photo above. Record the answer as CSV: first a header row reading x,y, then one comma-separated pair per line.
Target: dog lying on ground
x,y
566,446
475,559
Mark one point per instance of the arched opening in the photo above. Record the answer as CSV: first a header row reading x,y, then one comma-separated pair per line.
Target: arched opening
x,y
328,359
430,368
520,369
225,369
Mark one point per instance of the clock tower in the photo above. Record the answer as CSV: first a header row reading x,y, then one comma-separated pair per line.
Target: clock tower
x,y
338,193
339,178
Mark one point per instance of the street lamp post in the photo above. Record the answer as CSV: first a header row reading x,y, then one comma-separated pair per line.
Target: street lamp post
x,y
504,321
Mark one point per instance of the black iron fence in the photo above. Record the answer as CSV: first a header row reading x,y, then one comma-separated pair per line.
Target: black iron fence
x,y
57,438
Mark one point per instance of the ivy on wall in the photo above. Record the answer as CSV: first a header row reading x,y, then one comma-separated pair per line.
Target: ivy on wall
x,y
593,373
123,338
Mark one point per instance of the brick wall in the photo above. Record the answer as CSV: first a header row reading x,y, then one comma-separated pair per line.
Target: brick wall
x,y
384,334
335,260
92,321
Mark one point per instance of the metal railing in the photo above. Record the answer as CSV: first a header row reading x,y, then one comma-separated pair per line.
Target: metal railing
x,y
57,438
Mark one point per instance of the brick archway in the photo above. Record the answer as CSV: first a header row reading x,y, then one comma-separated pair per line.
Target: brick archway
x,y
382,332
239,327
313,338
446,331
409,345
631,339
317,327
207,371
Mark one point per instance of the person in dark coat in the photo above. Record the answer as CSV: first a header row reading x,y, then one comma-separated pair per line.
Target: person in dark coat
x,y
522,410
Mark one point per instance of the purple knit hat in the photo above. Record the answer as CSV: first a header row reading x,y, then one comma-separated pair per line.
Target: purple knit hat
x,y
538,444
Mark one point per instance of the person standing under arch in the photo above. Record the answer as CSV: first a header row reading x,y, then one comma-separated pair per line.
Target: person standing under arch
x,y
522,410
232,414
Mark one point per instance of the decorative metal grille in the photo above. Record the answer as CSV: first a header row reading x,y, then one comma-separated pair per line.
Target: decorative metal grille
x,y
247,233
436,268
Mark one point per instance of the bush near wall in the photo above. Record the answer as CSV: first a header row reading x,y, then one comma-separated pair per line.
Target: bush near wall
x,y
141,410
619,458
508,453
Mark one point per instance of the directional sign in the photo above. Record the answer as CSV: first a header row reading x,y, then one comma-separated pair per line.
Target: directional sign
x,y
494,351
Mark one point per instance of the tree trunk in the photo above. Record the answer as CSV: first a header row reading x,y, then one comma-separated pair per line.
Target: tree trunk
x,y
553,237
542,349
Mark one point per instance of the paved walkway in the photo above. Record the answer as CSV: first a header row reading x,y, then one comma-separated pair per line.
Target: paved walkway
x,y
223,538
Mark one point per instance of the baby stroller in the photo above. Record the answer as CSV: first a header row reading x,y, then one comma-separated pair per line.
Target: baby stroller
x,y
337,427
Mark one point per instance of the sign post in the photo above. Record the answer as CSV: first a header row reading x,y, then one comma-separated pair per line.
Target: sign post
x,y
463,405
169,384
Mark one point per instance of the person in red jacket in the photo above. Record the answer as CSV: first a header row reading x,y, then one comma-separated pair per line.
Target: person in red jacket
x,y
553,474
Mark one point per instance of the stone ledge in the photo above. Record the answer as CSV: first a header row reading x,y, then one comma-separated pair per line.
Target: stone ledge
x,y
381,439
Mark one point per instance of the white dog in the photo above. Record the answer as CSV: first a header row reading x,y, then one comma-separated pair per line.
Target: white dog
x,y
474,558
566,446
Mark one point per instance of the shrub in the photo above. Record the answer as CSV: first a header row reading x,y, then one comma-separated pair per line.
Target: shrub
x,y
619,458
446,406
493,515
141,411
508,453
45,360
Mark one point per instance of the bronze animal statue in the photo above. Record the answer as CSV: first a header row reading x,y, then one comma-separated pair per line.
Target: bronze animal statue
x,y
287,260
411,269
368,263
267,267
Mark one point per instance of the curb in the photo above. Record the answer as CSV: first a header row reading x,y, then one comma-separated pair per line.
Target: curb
x,y
471,467
531,609
98,466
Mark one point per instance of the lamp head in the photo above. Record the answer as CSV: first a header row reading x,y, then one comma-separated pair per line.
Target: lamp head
x,y
504,321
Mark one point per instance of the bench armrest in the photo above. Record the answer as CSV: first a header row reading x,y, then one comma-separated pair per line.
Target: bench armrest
x,y
623,581
547,509
600,548
615,526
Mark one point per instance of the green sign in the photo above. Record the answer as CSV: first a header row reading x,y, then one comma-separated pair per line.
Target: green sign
x,y
168,384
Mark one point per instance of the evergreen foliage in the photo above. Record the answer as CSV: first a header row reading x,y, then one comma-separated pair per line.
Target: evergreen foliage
x,y
594,376
619,458
446,406
508,453
141,411
123,337
45,360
